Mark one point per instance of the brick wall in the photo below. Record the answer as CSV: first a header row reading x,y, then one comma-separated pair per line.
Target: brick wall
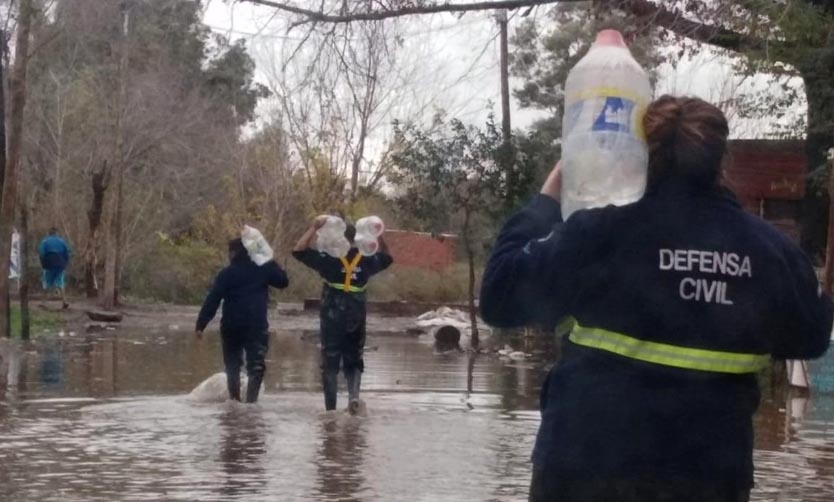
x,y
421,250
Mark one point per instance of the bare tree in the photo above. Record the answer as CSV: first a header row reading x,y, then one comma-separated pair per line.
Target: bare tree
x,y
17,88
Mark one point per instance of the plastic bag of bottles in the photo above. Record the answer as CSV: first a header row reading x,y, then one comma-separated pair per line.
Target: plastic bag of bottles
x,y
604,154
330,238
368,230
256,245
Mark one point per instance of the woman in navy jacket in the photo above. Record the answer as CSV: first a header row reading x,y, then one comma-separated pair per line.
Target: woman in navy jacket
x,y
677,300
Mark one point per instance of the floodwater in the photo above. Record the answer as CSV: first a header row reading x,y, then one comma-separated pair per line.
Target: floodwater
x,y
106,417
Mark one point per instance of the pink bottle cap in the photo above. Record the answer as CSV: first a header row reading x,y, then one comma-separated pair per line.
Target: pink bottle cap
x,y
611,38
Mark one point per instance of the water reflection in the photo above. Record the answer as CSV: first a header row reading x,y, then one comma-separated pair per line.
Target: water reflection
x,y
243,432
340,458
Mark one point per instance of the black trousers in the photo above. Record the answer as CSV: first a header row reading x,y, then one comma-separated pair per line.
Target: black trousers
x,y
252,343
547,487
342,340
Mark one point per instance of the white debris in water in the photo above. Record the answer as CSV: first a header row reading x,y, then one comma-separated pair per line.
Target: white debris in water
x,y
174,327
213,389
445,316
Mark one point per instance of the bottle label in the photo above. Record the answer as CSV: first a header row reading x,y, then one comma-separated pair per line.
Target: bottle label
x,y
604,110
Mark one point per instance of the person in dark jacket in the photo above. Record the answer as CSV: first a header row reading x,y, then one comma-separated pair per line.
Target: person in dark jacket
x,y
677,301
54,254
343,309
243,287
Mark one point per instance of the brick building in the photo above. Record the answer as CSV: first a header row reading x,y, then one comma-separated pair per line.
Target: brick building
x,y
768,177
421,250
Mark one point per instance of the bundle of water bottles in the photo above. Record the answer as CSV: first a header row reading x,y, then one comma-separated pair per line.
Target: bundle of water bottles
x,y
330,238
256,245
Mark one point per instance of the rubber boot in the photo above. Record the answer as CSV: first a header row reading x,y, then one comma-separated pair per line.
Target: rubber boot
x,y
233,382
330,383
354,381
253,388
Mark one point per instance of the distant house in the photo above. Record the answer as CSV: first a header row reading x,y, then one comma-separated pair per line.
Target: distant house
x,y
768,177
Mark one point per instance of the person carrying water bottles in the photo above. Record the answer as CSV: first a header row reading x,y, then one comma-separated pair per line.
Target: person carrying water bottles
x,y
343,308
243,287
54,254
677,301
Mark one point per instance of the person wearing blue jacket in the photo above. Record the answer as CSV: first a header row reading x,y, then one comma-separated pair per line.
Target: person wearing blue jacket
x,y
243,288
54,254
677,301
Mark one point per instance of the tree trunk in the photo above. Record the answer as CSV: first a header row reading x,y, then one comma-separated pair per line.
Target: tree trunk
x,y
25,319
3,49
817,75
94,227
109,295
5,298
17,89
470,258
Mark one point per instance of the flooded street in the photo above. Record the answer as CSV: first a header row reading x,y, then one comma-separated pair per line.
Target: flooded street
x,y
107,417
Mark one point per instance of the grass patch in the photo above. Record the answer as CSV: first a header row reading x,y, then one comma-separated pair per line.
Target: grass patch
x,y
41,322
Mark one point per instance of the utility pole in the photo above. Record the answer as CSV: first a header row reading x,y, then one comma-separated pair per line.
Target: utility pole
x,y
507,154
110,293
506,129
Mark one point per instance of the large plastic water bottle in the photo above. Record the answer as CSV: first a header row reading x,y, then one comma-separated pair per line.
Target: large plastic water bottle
x,y
604,154
256,245
330,238
368,230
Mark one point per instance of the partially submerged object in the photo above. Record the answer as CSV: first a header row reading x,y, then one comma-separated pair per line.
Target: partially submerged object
x,y
215,390
104,316
444,317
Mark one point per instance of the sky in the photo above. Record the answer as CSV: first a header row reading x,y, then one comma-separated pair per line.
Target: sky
x,y
454,65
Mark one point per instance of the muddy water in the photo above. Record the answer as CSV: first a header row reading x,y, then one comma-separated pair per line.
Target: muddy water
x,y
105,417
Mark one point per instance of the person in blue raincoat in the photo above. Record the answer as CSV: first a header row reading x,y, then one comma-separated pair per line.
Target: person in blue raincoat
x,y
677,301
54,254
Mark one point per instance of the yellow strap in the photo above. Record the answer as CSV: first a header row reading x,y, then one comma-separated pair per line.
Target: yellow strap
x,y
668,355
349,269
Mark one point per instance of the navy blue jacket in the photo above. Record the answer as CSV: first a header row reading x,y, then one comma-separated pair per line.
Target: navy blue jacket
x,y
683,267
243,287
332,271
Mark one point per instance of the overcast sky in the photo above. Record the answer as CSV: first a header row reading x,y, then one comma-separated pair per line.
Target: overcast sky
x,y
456,62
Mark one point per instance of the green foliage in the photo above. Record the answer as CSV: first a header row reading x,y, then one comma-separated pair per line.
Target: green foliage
x,y
41,322
447,169
229,79
418,285
174,271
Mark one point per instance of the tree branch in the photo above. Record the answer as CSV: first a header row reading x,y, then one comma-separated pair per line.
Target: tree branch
x,y
376,15
674,21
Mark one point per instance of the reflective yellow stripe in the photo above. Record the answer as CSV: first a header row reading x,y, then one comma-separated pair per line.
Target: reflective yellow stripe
x,y
349,271
341,287
668,355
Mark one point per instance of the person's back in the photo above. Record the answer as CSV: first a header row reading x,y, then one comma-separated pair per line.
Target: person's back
x,y
343,309
678,300
53,252
243,288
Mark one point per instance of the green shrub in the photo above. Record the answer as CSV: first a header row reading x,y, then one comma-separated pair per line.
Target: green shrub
x,y
179,272
182,271
40,321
